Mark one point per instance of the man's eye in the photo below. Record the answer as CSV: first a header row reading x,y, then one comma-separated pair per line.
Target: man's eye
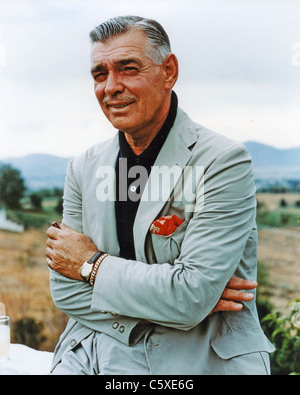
x,y
99,76
130,70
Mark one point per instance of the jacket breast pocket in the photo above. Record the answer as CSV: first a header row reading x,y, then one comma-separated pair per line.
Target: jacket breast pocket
x,y
167,248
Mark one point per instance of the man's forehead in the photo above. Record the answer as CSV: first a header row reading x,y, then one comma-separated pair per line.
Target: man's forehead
x,y
122,46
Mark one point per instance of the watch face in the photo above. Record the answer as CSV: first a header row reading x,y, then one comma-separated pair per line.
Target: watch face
x,y
86,269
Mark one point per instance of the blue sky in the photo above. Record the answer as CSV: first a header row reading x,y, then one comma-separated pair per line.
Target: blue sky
x,y
239,70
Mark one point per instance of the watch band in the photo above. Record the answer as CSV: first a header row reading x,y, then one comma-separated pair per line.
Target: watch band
x,y
94,258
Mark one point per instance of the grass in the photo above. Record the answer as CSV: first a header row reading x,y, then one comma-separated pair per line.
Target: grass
x,y
32,219
37,219
24,283
278,210
24,275
277,218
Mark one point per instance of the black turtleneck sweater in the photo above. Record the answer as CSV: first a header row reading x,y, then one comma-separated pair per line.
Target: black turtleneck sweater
x,y
129,189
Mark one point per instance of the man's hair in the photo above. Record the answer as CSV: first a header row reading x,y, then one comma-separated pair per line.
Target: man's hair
x,y
157,39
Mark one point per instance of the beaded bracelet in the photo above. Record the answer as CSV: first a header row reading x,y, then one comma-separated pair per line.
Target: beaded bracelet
x,y
95,268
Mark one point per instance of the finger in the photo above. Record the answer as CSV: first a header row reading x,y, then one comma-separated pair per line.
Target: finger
x,y
50,243
53,232
49,262
234,295
49,253
240,283
226,305
48,256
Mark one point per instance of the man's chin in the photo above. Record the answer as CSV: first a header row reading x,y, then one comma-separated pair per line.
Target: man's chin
x,y
122,123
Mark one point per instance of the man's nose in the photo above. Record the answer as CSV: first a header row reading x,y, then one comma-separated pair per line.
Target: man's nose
x,y
113,84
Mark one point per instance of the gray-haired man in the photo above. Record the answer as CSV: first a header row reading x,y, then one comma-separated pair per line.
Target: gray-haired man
x,y
150,275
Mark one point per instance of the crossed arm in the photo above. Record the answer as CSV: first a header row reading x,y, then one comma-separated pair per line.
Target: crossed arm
x,y
67,249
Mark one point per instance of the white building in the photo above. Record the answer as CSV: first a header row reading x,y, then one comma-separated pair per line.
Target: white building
x,y
6,224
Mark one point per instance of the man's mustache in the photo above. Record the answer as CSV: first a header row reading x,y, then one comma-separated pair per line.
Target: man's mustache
x,y
118,99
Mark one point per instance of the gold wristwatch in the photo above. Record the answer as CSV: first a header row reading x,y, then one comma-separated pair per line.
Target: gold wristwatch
x,y
87,267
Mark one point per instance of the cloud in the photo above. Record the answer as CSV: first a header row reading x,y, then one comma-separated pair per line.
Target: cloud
x,y
237,74
241,111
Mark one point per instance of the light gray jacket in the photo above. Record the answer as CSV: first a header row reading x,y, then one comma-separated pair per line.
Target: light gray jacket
x,y
176,280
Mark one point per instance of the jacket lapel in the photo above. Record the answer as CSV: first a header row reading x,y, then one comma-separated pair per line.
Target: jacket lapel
x,y
174,155
100,203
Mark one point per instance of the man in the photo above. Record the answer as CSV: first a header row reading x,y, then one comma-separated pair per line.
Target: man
x,y
168,256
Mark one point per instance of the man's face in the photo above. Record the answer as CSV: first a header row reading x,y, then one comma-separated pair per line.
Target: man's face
x,y
130,88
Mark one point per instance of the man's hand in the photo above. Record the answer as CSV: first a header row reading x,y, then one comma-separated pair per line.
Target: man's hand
x,y
68,250
234,293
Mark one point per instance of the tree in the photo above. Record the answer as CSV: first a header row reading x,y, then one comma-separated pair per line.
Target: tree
x,y
36,200
283,203
12,186
29,332
59,205
58,193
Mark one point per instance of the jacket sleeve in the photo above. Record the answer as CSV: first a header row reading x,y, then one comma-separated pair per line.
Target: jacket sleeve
x,y
71,296
183,294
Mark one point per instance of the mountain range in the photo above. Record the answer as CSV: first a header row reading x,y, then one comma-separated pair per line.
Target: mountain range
x,y
40,170
273,163
269,163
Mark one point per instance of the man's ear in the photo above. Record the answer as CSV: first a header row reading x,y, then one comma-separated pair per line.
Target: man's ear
x,y
170,67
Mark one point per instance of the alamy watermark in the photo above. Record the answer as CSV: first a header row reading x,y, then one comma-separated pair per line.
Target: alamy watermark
x,y
163,184
296,54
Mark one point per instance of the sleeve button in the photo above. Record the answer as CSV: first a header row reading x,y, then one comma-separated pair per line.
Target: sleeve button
x,y
115,325
73,343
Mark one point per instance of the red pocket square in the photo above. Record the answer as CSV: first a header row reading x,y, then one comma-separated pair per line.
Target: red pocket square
x,y
165,226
